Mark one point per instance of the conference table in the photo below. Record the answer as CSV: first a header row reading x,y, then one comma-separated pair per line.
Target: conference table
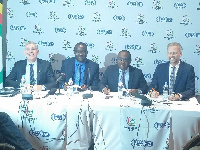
x,y
69,121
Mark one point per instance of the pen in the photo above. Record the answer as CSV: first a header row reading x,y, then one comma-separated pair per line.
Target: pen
x,y
154,90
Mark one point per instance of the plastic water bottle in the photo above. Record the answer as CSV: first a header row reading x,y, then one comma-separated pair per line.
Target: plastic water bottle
x,y
165,91
22,84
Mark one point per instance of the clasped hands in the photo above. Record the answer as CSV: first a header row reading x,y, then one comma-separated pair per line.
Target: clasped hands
x,y
107,91
172,97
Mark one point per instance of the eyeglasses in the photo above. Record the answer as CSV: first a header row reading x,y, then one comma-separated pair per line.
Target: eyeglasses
x,y
172,53
80,52
32,49
123,59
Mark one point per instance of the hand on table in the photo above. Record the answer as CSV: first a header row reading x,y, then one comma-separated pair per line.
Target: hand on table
x,y
174,97
154,94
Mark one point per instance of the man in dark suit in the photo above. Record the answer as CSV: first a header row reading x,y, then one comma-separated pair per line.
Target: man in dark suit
x,y
11,134
80,70
131,77
41,76
179,75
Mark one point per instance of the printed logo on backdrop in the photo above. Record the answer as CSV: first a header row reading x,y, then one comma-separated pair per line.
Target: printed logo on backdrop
x,y
180,5
25,2
59,117
81,31
199,6
110,46
104,31
47,1
131,122
157,5
164,19
68,3
169,34
163,125
23,42
192,34
38,133
53,16
46,43
147,75
112,4
197,49
90,2
10,13
38,29
140,19
17,28
90,45
132,47
186,20
138,62
60,30
148,33
31,14
66,45
135,4
10,56
125,33
95,58
157,61
75,16
119,18
97,17
141,143
154,48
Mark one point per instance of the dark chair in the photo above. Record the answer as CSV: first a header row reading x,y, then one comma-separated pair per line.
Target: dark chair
x,y
194,141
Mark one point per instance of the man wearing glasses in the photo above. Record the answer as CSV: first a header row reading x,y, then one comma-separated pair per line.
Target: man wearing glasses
x,y
80,70
180,76
36,72
132,78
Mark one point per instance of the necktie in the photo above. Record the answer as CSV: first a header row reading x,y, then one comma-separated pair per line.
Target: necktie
x,y
172,80
123,79
32,80
78,74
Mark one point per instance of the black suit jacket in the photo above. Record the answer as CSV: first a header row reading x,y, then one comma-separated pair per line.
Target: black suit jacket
x,y
184,83
45,75
68,67
111,76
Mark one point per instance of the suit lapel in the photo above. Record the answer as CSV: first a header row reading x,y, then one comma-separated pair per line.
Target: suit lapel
x,y
86,71
179,73
130,77
23,67
115,75
39,69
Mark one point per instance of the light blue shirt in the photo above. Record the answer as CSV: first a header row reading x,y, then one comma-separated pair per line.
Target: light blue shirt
x,y
76,82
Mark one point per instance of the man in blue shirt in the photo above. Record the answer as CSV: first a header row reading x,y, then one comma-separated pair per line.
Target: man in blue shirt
x,y
80,70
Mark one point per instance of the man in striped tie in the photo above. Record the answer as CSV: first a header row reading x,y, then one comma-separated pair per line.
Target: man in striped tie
x,y
179,75
35,72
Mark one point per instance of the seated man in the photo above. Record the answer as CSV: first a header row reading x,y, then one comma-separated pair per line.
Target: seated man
x,y
179,76
131,77
11,134
80,70
37,72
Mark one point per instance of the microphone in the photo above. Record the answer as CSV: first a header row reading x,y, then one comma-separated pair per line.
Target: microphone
x,y
88,77
62,75
144,100
51,92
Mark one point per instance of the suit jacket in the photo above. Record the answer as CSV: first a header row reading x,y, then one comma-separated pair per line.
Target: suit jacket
x,y
111,77
184,83
68,67
45,75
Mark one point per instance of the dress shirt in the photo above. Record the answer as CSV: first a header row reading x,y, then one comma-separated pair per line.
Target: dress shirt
x,y
82,72
27,75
